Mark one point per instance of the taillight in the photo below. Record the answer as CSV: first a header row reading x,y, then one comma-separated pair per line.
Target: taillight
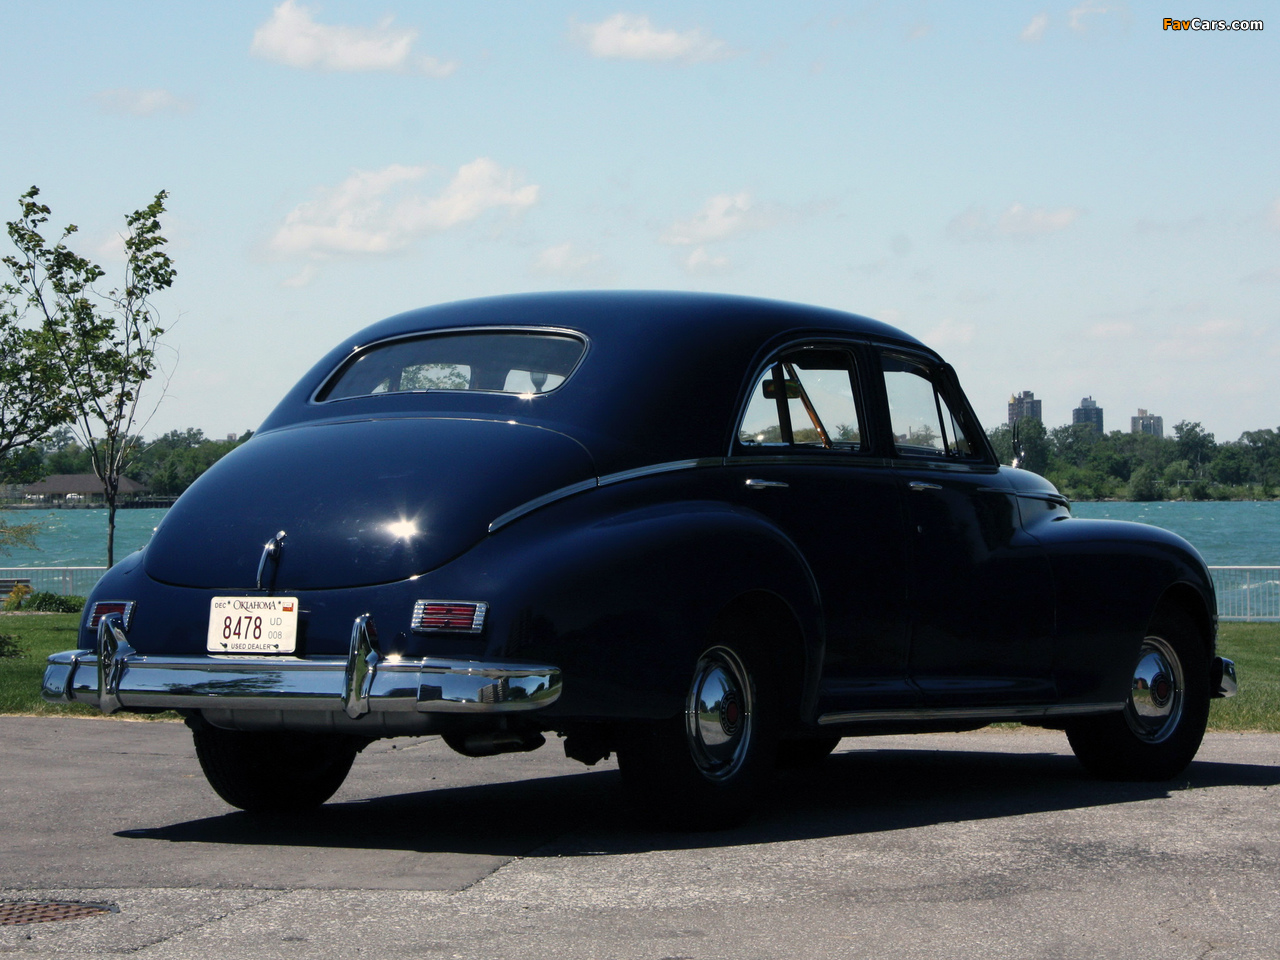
x,y
449,616
104,607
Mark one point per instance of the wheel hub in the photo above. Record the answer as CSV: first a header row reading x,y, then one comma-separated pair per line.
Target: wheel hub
x,y
1156,696
718,714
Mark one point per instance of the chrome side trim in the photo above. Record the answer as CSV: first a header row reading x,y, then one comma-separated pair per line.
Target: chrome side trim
x,y
317,684
992,713
542,501
619,477
656,468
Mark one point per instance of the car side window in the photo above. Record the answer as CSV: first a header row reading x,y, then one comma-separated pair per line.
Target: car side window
x,y
805,398
922,422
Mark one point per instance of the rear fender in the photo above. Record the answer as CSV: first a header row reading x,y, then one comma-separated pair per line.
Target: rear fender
x,y
624,602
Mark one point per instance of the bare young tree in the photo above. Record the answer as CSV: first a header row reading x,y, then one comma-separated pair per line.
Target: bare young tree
x,y
103,346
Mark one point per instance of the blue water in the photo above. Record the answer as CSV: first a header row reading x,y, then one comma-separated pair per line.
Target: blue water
x,y
1226,534
78,538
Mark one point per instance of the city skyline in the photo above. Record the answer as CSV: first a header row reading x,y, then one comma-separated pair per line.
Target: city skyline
x,y
1039,191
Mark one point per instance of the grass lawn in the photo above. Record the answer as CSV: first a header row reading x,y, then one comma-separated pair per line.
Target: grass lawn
x,y
36,635
1255,647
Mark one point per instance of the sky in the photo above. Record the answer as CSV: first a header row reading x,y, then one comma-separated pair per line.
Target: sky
x,y
1066,198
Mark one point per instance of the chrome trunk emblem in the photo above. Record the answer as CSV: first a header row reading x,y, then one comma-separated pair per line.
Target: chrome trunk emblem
x,y
271,552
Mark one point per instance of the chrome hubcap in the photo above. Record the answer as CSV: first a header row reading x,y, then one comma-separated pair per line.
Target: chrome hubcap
x,y
719,719
1156,697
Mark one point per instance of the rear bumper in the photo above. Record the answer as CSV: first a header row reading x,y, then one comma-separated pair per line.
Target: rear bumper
x,y
116,677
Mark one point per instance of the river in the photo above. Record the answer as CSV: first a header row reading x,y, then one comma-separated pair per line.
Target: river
x,y
1232,533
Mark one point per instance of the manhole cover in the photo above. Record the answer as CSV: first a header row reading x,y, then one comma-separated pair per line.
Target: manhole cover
x,y
43,911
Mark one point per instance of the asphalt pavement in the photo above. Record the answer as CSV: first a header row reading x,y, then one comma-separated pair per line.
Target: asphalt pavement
x,y
984,845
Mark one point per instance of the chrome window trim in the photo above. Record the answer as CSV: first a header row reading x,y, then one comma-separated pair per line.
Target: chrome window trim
x,y
445,331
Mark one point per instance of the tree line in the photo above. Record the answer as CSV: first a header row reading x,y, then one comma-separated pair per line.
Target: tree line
x,y
1191,465
166,466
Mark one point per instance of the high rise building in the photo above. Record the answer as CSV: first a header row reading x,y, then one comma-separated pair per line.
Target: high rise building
x,y
1147,423
1024,405
1088,412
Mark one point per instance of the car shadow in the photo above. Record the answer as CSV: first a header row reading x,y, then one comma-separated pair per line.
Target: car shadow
x,y
863,791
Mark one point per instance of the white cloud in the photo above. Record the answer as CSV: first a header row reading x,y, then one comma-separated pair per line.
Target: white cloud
x,y
1034,30
1274,218
702,262
920,30
565,260
291,37
1081,18
141,103
625,36
950,333
1111,330
720,218
302,277
1269,275
375,211
1217,337
1018,221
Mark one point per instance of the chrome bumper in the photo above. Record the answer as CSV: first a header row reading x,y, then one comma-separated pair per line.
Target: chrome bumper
x,y
1222,678
116,677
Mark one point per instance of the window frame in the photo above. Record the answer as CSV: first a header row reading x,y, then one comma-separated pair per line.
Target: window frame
x,y
854,355
319,395
946,395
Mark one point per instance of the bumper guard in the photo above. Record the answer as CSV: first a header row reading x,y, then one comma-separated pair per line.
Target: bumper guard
x,y
117,677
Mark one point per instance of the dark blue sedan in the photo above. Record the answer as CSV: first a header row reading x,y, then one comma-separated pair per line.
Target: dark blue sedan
x,y
707,533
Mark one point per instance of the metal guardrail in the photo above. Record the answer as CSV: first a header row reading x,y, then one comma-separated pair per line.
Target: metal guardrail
x,y
1247,593
68,581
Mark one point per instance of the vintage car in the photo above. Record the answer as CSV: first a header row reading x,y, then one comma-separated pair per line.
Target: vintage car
x,y
706,533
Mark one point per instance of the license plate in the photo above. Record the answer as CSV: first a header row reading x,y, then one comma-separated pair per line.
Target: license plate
x,y
253,625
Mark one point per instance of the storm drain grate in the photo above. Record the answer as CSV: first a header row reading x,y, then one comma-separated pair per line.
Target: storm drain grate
x,y
14,913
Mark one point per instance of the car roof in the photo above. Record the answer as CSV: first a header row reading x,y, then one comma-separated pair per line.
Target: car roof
x,y
662,378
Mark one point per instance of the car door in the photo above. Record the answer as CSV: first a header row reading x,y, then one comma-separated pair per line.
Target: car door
x,y
801,458
980,587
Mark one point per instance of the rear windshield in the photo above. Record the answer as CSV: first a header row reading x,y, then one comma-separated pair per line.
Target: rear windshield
x,y
507,361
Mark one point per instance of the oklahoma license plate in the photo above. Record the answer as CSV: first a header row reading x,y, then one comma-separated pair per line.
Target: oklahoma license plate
x,y
253,625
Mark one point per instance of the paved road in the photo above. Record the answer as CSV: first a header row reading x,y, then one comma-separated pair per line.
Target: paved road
x,y
983,845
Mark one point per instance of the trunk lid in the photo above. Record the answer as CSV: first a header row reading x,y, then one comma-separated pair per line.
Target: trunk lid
x,y
360,502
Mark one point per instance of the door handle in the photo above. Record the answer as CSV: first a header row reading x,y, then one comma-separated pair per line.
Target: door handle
x,y
921,485
765,484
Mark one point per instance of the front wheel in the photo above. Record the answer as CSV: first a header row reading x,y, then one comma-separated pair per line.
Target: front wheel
x,y
1159,730
704,769
274,772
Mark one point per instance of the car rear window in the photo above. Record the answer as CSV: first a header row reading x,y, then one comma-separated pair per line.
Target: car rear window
x,y
517,362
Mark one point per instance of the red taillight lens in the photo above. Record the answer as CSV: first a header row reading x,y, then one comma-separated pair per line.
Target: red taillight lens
x,y
104,607
449,616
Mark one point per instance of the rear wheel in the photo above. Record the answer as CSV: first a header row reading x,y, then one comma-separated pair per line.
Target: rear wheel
x,y
1159,730
704,769
274,772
